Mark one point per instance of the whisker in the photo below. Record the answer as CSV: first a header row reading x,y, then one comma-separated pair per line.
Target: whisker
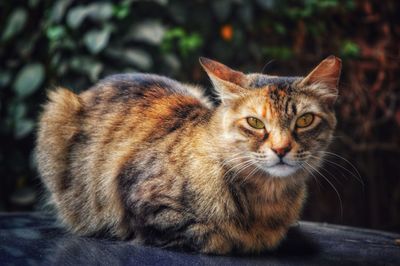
x,y
331,184
312,174
242,165
326,170
344,168
344,159
242,169
251,174
352,173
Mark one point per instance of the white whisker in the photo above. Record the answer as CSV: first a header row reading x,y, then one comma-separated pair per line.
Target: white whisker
x,y
331,184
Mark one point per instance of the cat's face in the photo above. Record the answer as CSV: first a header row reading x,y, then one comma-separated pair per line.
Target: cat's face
x,y
281,131
277,125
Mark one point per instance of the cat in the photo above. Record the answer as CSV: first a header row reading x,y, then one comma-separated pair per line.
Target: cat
x,y
145,158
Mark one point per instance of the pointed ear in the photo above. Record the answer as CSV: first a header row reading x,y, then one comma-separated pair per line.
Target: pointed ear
x,y
229,83
326,74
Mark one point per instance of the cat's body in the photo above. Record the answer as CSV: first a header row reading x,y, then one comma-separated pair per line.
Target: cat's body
x,y
146,158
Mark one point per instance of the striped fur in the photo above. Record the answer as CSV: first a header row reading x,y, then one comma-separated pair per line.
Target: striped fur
x,y
148,159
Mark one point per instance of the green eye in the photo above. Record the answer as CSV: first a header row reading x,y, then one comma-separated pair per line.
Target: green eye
x,y
255,123
305,120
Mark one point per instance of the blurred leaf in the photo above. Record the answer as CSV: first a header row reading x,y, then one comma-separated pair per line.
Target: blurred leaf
x,y
5,77
33,3
18,111
23,127
138,58
278,52
316,29
76,16
190,43
175,32
161,2
55,60
68,43
121,11
58,10
87,65
100,11
246,13
266,4
187,43
134,57
279,28
172,61
55,32
95,11
324,4
177,12
222,8
62,68
15,23
95,71
28,79
350,4
96,40
350,49
150,31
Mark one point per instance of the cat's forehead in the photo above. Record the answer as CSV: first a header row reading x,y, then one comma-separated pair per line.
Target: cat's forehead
x,y
280,82
277,90
279,97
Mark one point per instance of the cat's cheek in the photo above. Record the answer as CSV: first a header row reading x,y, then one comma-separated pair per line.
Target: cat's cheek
x,y
235,141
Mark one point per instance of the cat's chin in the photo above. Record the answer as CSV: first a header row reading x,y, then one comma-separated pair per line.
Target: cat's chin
x,y
281,170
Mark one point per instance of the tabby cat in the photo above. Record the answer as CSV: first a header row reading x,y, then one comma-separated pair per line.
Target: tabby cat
x,y
145,158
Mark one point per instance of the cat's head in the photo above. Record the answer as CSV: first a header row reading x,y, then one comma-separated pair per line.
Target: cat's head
x,y
280,125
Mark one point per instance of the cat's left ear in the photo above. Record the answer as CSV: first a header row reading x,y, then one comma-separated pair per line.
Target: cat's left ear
x,y
327,75
229,83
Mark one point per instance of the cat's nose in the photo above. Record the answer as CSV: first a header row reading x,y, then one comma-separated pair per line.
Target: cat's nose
x,y
282,151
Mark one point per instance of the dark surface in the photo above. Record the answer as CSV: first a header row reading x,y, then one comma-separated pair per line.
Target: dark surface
x,y
34,239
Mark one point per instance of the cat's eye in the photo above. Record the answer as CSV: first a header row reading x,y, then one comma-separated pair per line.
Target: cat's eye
x,y
305,120
255,123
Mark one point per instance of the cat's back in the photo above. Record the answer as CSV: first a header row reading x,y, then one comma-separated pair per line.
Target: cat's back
x,y
131,88
84,141
149,105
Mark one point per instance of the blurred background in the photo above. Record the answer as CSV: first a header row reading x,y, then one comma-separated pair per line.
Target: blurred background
x,y
46,43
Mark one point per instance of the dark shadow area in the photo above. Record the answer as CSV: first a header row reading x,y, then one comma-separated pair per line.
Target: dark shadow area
x,y
34,239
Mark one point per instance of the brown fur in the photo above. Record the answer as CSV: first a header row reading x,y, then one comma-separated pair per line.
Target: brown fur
x,y
146,158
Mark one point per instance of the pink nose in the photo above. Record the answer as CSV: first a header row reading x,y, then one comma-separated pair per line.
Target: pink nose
x,y
282,151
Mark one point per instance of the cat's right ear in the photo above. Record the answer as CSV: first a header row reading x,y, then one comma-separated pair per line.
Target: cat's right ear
x,y
230,84
327,74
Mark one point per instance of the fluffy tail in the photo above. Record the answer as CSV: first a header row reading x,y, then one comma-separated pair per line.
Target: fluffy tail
x,y
58,125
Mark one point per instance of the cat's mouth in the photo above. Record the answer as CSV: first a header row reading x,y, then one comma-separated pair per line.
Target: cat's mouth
x,y
281,169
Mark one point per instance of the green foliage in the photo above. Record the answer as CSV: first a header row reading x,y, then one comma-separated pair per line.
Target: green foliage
x,y
186,43
350,49
28,80
16,22
278,52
